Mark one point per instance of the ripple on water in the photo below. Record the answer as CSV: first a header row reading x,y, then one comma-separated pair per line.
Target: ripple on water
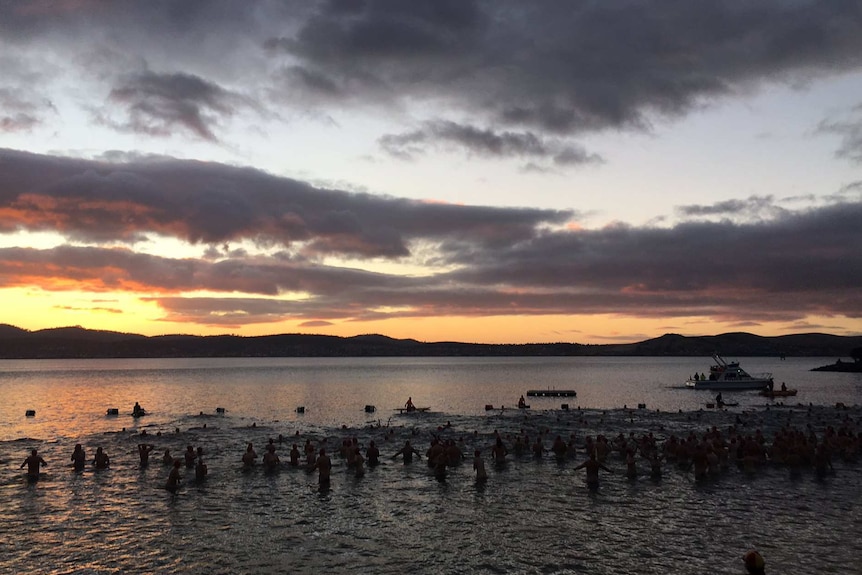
x,y
530,517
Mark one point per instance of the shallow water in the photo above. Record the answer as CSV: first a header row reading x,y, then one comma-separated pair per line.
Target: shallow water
x,y
533,516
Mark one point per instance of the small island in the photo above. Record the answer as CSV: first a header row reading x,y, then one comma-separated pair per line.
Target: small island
x,y
854,366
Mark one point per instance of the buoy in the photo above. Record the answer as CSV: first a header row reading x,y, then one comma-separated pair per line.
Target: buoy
x,y
370,409
220,410
488,407
642,406
113,411
565,407
30,413
300,409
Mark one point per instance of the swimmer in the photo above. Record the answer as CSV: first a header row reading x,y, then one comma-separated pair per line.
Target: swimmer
x,y
519,446
79,458
700,462
174,478
350,449
200,467
358,464
167,458
655,465
592,466
190,456
559,448
310,453
200,470
249,456
270,458
436,450
538,448
324,466
101,460
144,450
294,456
499,452
372,454
454,455
408,452
754,563
34,463
479,467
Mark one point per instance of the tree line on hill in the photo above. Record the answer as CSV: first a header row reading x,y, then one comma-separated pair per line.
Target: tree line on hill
x,y
78,342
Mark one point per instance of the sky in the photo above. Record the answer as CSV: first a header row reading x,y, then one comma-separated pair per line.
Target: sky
x,y
445,170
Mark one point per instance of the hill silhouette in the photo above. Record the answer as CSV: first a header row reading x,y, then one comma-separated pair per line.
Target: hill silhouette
x,y
79,342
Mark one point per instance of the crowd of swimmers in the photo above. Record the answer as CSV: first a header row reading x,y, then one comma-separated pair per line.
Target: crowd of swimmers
x,y
705,454
708,454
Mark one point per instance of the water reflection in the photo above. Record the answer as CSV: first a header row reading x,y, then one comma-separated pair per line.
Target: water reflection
x,y
531,516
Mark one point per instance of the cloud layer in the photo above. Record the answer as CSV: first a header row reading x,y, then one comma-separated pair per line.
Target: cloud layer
x,y
534,83
478,261
496,78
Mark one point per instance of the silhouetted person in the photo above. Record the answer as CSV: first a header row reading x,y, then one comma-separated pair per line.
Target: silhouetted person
x,y
79,458
101,460
592,466
408,452
144,450
34,463
174,478
324,466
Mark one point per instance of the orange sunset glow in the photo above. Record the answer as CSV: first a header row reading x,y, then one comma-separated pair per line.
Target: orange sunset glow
x,y
154,184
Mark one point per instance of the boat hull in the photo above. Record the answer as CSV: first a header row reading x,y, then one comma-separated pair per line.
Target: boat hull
x,y
728,375
739,384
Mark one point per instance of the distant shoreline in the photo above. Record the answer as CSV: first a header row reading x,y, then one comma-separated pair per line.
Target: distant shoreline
x,y
78,342
841,366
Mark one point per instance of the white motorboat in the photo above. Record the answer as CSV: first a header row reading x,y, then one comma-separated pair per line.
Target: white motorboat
x,y
727,375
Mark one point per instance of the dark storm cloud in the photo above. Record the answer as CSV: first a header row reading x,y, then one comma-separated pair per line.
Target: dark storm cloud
x,y
479,261
809,256
213,204
568,67
107,269
544,68
157,23
483,142
160,104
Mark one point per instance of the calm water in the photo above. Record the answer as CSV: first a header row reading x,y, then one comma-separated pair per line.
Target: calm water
x,y
531,517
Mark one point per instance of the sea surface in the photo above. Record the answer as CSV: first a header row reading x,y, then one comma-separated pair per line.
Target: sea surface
x,y
531,516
